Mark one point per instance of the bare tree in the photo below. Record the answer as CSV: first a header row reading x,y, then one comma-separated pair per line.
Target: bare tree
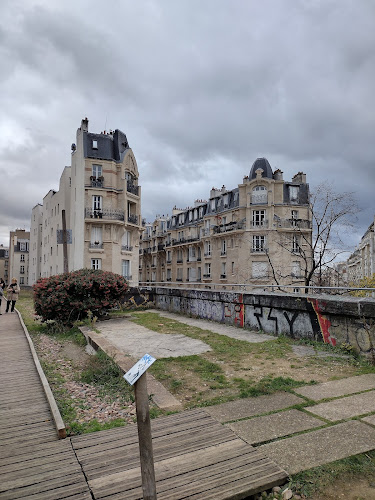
x,y
332,215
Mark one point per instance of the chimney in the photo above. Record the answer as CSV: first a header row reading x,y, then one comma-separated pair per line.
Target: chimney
x,y
85,125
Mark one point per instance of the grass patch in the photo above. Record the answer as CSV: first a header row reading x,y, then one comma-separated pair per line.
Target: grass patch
x,y
316,480
103,372
268,385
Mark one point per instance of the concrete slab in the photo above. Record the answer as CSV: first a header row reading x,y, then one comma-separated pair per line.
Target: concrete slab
x,y
249,407
259,429
349,407
136,340
220,328
320,447
369,420
337,388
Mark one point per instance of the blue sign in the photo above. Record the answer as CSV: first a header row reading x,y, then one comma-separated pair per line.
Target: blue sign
x,y
138,369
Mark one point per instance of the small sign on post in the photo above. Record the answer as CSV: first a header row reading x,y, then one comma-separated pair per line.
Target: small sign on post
x,y
137,376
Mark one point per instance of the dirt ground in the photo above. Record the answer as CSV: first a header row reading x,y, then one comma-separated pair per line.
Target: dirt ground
x,y
354,489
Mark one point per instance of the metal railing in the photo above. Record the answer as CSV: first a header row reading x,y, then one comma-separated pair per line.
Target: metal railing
x,y
132,188
104,213
128,248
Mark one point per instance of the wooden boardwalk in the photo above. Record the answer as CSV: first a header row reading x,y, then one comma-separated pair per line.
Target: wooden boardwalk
x,y
196,457
33,462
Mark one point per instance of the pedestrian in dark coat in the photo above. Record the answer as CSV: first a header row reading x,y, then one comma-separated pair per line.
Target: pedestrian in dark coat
x,y
13,291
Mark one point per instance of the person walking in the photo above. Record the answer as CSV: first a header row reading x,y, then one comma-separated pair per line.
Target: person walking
x,y
2,286
13,291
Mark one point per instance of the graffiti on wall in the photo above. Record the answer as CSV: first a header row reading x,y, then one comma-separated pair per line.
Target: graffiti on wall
x,y
324,322
136,297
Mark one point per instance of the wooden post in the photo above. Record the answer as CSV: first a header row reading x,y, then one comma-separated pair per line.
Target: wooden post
x,y
65,242
145,439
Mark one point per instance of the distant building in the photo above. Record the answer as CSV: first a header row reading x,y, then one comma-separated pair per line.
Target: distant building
x,y
4,263
361,263
19,242
257,233
100,198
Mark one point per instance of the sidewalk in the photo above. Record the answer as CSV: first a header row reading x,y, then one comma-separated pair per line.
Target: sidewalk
x,y
315,433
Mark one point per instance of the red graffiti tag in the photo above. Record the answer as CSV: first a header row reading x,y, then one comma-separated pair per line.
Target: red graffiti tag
x,y
239,317
324,323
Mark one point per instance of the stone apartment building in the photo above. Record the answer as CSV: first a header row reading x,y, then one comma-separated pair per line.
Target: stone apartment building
x,y
18,263
361,263
4,263
100,200
258,233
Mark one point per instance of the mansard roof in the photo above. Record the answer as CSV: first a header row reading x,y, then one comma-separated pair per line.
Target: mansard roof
x,y
263,164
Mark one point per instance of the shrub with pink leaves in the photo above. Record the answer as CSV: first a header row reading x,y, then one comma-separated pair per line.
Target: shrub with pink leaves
x,y
68,297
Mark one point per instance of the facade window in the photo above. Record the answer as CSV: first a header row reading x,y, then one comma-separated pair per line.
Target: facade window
x,y
22,259
97,202
23,246
225,200
125,268
169,256
207,270
201,212
213,204
293,194
97,171
179,274
96,263
94,144
96,236
199,273
223,270
295,244
259,269
181,219
126,241
179,256
232,267
190,215
259,244
22,280
259,195
294,218
169,274
296,269
22,269
207,248
224,247
259,218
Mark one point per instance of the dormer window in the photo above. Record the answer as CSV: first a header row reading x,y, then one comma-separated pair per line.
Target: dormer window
x,y
94,144
293,194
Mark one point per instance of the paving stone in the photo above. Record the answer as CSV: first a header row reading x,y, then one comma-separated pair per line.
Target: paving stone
x,y
260,429
349,407
320,447
369,420
250,407
337,388
137,340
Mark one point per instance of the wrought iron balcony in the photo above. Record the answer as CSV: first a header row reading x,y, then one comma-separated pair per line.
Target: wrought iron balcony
x,y
127,248
223,276
231,226
259,223
133,219
96,182
96,244
161,246
104,213
259,249
132,188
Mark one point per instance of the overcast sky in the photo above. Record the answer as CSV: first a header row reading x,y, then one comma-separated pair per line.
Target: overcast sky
x,y
201,89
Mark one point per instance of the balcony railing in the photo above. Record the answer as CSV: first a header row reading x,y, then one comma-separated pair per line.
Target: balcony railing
x,y
179,261
207,254
104,213
97,183
161,246
259,223
128,277
259,249
223,252
132,188
127,248
95,244
231,226
294,223
223,276
133,219
169,261
207,276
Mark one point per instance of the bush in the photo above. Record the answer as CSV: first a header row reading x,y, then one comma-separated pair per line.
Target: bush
x,y
68,297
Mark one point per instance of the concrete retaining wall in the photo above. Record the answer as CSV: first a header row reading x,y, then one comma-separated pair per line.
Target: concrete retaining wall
x,y
331,319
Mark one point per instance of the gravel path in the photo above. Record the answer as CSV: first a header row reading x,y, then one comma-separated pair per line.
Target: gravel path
x,y
87,400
